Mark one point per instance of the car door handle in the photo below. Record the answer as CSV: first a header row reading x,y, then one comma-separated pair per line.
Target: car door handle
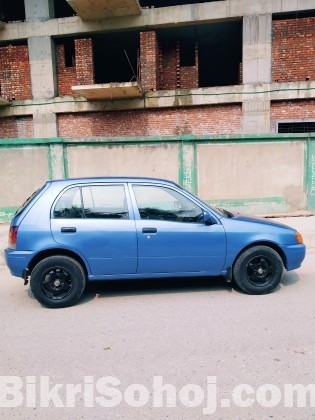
x,y
68,230
149,230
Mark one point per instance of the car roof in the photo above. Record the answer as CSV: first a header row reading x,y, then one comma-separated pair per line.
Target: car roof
x,y
69,181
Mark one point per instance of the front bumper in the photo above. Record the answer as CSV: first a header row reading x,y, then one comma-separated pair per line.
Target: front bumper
x,y
295,255
17,261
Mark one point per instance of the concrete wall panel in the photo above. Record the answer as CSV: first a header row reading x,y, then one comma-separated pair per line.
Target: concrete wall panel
x,y
251,170
160,161
25,170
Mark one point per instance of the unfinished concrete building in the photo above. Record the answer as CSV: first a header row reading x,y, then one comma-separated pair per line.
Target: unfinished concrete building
x,y
217,95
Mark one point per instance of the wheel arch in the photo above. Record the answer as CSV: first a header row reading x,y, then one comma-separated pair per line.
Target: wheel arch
x,y
53,252
272,245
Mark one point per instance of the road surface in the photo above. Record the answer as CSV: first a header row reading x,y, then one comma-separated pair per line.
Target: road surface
x,y
176,349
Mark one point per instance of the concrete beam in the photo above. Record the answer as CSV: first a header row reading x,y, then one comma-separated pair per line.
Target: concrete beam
x,y
38,10
3,101
171,98
102,9
192,14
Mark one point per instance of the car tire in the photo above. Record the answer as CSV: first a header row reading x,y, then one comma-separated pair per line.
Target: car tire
x,y
58,281
258,270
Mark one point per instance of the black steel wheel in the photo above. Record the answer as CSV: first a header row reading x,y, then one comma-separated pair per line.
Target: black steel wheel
x,y
258,270
58,281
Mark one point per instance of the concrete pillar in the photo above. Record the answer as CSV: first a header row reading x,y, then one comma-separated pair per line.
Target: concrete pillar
x,y
57,161
257,65
257,45
188,178
43,67
43,82
45,124
256,116
39,9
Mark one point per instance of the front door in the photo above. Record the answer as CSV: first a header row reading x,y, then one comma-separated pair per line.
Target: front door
x,y
172,235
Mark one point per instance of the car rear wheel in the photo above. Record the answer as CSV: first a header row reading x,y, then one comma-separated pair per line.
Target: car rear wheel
x,y
58,281
258,270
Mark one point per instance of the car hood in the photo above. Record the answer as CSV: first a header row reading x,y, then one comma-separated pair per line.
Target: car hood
x,y
255,219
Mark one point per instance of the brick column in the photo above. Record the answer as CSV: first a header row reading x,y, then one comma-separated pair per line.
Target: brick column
x,y
84,61
149,59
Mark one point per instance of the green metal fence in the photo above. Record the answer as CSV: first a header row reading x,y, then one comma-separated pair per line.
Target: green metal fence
x,y
25,164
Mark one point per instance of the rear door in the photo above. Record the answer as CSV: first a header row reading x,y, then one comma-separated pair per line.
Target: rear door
x,y
97,221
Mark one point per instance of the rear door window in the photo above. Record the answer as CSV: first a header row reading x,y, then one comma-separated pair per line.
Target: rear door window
x,y
69,205
105,202
93,202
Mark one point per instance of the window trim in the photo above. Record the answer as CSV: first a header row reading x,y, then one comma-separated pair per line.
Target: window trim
x,y
169,187
96,184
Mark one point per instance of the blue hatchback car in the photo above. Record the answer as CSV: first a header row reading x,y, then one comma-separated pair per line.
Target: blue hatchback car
x,y
75,230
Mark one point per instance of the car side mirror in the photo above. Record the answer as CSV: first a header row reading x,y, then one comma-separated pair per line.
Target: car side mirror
x,y
208,219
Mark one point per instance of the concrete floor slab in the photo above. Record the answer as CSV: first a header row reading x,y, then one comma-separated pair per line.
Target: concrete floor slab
x,y
109,91
100,9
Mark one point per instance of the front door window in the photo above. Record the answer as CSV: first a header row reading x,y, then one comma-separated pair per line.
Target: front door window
x,y
160,203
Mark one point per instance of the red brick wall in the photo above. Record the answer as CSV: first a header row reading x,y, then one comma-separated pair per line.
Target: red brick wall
x,y
14,127
80,74
284,110
67,76
219,119
15,77
293,52
149,56
189,75
160,65
170,56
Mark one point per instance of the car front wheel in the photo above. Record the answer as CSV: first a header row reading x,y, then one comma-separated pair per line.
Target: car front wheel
x,y
58,281
258,270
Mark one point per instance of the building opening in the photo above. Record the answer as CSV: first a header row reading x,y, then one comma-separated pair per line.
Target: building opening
x,y
62,9
12,11
219,50
297,127
116,57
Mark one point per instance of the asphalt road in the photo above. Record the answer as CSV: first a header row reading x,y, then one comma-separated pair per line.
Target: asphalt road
x,y
178,349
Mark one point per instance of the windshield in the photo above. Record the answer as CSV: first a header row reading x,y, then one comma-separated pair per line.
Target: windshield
x,y
218,210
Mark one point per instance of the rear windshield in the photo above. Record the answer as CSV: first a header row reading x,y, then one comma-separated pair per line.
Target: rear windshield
x,y
25,203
